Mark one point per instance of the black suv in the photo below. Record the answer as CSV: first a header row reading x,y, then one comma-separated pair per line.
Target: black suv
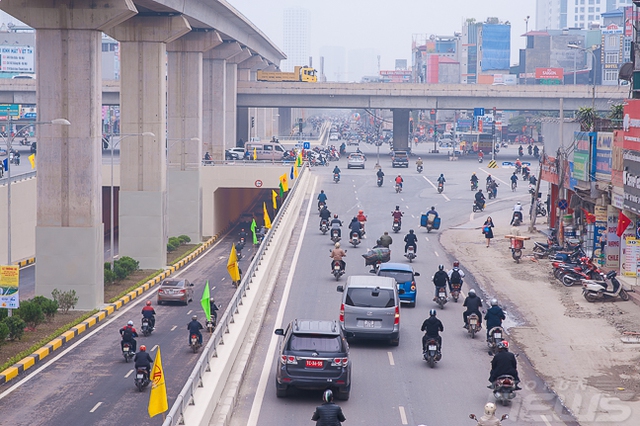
x,y
400,159
314,354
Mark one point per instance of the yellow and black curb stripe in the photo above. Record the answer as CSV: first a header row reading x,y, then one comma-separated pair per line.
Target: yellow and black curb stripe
x,y
57,343
26,262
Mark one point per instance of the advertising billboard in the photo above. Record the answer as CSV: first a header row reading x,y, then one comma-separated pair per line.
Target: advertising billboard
x,y
604,145
17,59
555,73
631,179
581,156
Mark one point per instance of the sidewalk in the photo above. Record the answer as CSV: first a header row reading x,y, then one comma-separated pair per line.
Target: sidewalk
x,y
572,344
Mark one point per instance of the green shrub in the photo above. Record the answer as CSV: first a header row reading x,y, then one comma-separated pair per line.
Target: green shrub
x,y
49,307
171,247
128,264
4,313
4,333
66,299
184,239
107,266
31,313
16,327
175,241
120,272
109,276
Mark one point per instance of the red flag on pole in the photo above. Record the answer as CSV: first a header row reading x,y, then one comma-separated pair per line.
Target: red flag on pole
x,y
623,223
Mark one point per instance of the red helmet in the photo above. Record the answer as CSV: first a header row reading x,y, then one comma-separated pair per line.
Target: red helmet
x,y
148,302
456,264
143,348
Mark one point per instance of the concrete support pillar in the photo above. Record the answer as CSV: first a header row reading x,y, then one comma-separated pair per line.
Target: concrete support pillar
x,y
401,129
243,124
284,121
184,128
143,204
231,105
69,231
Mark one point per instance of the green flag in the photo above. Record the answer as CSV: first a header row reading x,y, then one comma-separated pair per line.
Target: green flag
x,y
253,231
206,306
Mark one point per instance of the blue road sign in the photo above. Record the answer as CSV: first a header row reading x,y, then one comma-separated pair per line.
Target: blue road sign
x,y
563,204
477,112
306,145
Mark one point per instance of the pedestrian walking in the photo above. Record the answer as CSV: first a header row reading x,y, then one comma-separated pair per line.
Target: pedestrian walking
x,y
487,230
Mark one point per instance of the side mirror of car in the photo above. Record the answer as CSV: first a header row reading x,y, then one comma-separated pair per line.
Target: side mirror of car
x,y
279,331
416,274
340,288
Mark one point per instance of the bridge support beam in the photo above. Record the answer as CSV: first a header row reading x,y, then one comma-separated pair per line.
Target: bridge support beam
x,y
184,146
143,186
69,230
401,129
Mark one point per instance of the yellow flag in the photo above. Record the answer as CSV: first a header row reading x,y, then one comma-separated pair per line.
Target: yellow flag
x,y
158,396
232,265
32,160
284,183
274,195
255,154
295,172
267,221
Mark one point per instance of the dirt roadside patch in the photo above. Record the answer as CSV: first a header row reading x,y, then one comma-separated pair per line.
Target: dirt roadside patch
x,y
573,345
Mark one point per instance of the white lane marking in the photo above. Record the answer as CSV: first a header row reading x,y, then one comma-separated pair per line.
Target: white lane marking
x,y
497,178
413,216
174,327
403,415
266,368
544,419
430,183
437,255
154,348
221,257
445,197
223,278
128,374
426,238
406,207
95,407
390,355
190,310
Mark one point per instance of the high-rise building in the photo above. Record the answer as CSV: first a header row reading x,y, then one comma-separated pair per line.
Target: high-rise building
x,y
297,40
551,14
560,14
485,50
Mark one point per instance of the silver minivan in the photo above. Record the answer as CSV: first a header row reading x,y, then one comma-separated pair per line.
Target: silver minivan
x,y
370,308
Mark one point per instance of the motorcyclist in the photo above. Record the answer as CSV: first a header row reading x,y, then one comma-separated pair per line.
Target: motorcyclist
x,y
530,149
336,171
322,198
337,254
526,171
480,198
329,413
441,179
518,164
143,360
194,327
397,215
380,174
411,240
474,179
325,214
355,226
399,180
455,275
473,304
419,162
494,316
362,218
517,212
536,151
432,327
213,310
514,179
432,213
520,151
128,332
336,224
489,180
493,187
440,280
503,364
385,240
150,313
343,148
489,418
533,180
480,154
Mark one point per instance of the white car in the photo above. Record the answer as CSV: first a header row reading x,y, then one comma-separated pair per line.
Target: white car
x,y
355,160
236,153
333,137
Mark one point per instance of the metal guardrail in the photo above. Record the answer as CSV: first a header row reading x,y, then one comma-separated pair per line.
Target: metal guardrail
x,y
18,178
185,397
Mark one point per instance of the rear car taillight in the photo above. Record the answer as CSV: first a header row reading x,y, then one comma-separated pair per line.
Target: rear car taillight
x,y
288,359
396,320
342,312
413,286
339,362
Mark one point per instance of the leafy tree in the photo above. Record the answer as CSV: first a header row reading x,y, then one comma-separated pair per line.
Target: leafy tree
x,y
66,299
586,116
616,112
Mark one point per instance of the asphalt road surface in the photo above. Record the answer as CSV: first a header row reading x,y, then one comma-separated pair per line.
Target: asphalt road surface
x,y
391,385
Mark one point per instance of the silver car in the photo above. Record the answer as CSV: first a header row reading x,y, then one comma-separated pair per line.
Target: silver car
x,y
355,160
175,290
370,308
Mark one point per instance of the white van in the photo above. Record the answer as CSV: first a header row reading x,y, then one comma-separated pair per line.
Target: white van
x,y
265,150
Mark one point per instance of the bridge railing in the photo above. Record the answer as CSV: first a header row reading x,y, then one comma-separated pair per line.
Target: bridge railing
x,y
195,380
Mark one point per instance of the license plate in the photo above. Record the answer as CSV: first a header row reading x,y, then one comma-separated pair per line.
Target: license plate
x,y
125,349
337,267
432,347
314,363
442,294
473,321
369,324
139,376
497,335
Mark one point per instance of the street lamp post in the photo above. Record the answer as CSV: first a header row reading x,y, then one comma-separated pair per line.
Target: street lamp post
x,y
593,71
111,211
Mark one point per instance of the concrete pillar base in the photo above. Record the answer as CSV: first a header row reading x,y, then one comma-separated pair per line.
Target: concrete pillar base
x,y
401,129
184,204
71,258
142,220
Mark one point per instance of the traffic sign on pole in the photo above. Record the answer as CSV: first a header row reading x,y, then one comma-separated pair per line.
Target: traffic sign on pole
x,y
478,112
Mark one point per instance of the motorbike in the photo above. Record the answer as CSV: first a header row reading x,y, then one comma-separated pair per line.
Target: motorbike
x,y
419,169
146,327
321,204
495,336
411,254
336,177
477,207
194,343
482,423
239,247
142,379
380,180
127,352
516,249
431,353
355,239
210,325
540,210
324,226
585,271
526,175
492,190
441,300
473,325
518,169
396,225
440,187
517,218
596,290
479,159
474,186
335,235
337,270
514,186
504,389
398,188
455,292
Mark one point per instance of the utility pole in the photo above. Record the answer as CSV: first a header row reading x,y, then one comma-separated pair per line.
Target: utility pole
x,y
636,50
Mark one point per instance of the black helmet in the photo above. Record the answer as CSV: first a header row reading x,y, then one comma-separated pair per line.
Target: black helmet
x,y
433,208
440,267
327,396
335,216
480,190
432,313
411,231
397,207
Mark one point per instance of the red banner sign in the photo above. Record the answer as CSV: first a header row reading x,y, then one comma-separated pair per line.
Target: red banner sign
x,y
557,73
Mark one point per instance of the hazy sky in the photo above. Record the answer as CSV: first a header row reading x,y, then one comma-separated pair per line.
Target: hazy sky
x,y
387,25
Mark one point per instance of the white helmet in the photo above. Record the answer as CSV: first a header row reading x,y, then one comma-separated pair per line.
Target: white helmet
x,y
490,409
337,245
519,203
